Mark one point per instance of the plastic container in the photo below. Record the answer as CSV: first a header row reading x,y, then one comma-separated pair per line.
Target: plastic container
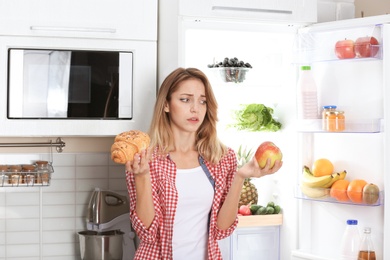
x,y
350,241
307,95
366,248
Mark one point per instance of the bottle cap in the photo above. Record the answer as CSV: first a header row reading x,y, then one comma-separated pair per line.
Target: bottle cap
x,y
305,68
352,222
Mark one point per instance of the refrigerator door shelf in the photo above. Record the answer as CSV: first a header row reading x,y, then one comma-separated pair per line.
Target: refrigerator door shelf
x,y
321,194
299,255
351,126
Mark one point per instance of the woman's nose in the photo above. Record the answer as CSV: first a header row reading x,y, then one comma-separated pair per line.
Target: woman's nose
x,y
194,107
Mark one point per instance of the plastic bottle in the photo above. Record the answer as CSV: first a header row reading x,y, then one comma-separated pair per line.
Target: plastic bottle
x,y
350,241
307,95
366,249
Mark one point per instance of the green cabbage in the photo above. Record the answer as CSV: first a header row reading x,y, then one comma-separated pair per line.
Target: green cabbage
x,y
256,117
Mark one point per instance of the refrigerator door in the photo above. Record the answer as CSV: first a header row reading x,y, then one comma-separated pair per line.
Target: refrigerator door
x,y
359,87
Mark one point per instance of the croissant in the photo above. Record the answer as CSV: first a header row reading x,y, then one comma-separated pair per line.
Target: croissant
x,y
127,144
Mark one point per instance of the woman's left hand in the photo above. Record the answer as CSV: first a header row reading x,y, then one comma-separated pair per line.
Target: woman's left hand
x,y
252,169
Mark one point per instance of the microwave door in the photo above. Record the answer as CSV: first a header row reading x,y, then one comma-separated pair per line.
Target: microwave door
x,y
42,91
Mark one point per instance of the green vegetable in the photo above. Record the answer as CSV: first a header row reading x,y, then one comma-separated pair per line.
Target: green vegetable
x,y
270,210
261,211
256,117
254,208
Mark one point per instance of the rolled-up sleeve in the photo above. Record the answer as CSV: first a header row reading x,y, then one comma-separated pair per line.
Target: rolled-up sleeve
x,y
148,235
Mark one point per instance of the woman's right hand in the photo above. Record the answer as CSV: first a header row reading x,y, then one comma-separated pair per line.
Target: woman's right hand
x,y
140,164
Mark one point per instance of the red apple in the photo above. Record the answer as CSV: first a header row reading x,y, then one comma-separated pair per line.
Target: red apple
x,y
366,46
268,150
345,49
244,210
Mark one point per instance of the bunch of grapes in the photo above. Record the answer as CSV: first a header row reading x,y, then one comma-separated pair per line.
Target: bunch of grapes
x,y
232,62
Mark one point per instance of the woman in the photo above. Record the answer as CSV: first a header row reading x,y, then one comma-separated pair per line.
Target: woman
x,y
184,189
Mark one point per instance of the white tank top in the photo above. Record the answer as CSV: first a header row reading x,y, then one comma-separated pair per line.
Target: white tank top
x,y
190,229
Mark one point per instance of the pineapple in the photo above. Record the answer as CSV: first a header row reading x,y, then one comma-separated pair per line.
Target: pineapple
x,y
249,194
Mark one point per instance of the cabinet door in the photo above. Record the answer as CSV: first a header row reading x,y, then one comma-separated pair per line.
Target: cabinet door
x,y
120,19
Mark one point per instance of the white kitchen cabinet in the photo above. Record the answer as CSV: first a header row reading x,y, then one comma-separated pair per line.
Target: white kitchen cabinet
x,y
120,19
256,237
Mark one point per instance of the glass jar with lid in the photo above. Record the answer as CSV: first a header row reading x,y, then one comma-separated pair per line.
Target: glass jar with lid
x,y
4,178
335,121
15,175
43,172
28,171
326,109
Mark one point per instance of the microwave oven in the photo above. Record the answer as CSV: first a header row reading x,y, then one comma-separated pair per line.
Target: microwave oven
x,y
76,86
69,84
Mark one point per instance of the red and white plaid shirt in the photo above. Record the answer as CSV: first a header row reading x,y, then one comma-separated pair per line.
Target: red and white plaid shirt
x,y
156,241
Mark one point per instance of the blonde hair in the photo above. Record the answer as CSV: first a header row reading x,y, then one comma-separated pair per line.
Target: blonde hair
x,y
207,142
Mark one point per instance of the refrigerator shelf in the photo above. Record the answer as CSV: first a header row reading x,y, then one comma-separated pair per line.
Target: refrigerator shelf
x,y
351,126
298,194
312,56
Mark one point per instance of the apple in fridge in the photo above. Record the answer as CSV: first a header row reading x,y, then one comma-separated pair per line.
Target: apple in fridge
x,y
366,47
345,49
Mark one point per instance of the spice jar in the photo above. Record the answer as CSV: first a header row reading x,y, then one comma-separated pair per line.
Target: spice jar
x,y
15,175
43,172
326,109
29,174
4,179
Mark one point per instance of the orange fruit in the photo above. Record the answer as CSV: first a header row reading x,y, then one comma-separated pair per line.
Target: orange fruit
x,y
322,167
355,190
339,190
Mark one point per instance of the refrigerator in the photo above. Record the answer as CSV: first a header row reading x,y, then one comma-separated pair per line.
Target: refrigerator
x,y
312,229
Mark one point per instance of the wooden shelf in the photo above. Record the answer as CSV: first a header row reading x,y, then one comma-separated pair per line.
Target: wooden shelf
x,y
260,220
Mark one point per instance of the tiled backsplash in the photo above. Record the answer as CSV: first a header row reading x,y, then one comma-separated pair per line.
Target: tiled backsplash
x,y
41,223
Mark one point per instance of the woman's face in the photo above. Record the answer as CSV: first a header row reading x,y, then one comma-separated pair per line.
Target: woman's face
x,y
187,107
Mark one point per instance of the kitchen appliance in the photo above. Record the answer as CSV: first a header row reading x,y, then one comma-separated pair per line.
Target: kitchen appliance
x,y
70,84
108,227
312,229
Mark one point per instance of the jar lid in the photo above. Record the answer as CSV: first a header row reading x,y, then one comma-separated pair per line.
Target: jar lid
x,y
352,222
42,162
329,107
15,167
3,167
28,167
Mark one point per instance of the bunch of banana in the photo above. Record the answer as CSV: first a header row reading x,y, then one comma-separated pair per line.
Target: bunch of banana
x,y
318,187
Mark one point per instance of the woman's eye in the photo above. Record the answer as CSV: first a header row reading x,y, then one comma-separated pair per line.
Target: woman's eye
x,y
204,102
185,99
